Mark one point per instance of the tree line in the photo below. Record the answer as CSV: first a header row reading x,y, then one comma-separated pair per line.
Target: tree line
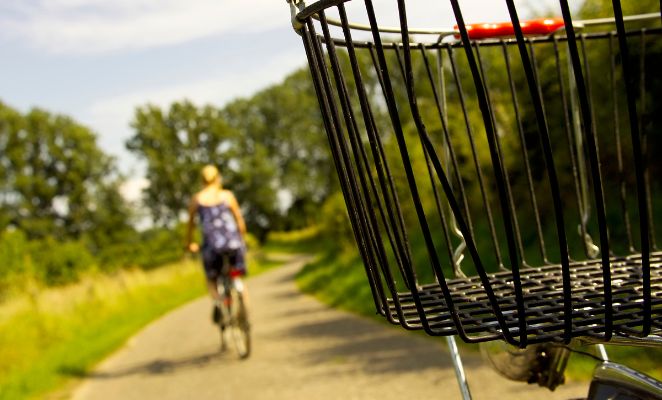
x,y
61,211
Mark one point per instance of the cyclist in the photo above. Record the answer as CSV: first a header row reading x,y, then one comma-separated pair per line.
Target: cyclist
x,y
223,231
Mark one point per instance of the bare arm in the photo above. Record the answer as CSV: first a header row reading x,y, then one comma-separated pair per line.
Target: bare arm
x,y
236,211
192,209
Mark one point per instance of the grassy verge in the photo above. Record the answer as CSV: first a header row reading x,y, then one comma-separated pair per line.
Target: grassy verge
x,y
646,360
337,278
304,241
54,336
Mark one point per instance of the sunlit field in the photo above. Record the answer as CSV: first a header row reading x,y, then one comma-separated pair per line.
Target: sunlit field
x,y
51,337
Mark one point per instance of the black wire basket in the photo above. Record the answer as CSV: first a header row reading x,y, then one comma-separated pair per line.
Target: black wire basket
x,y
501,180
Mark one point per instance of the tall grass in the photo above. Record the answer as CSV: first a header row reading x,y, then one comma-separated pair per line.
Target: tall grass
x,y
52,335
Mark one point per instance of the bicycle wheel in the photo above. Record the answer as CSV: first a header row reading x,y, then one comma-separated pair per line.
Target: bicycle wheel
x,y
239,325
221,318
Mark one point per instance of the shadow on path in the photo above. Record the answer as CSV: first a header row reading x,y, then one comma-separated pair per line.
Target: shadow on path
x,y
155,367
378,351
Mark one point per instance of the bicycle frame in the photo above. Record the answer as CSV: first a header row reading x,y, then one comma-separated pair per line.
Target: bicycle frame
x,y
228,281
233,316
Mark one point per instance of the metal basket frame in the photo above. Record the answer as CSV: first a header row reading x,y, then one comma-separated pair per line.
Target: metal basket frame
x,y
599,296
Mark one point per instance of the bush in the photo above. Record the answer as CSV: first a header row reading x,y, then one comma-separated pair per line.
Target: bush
x,y
335,221
48,260
54,262
252,243
119,256
15,262
159,246
58,263
308,240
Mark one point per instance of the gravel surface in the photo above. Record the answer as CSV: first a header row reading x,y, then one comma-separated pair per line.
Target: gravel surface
x,y
301,350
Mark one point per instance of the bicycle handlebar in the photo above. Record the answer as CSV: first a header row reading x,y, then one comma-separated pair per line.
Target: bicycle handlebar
x,y
542,26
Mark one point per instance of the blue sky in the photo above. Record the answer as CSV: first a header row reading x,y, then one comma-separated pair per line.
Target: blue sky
x,y
97,60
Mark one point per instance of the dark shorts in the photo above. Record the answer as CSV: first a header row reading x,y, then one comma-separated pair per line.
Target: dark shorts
x,y
214,262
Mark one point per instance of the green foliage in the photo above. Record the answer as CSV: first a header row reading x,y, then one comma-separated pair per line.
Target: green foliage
x,y
159,246
334,222
147,250
15,262
301,241
254,185
10,121
597,8
111,217
45,260
52,167
285,121
176,144
338,279
58,263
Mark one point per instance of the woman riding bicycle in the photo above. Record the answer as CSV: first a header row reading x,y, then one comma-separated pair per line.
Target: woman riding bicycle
x,y
223,230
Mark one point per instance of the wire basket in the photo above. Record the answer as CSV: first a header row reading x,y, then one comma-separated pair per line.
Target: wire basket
x,y
500,179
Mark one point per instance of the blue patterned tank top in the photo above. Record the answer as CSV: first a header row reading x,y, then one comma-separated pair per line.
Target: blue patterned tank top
x,y
220,232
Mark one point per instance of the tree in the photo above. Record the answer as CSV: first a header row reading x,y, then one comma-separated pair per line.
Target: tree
x,y
10,121
175,146
283,121
51,167
109,218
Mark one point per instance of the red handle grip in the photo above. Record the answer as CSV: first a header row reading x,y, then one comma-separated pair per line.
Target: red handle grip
x,y
543,26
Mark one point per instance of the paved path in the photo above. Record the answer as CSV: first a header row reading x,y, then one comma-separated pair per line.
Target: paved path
x,y
302,350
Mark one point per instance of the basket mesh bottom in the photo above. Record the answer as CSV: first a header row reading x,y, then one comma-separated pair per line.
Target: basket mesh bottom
x,y
543,298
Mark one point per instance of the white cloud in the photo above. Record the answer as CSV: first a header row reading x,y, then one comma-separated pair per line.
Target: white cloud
x,y
111,116
439,14
216,90
95,26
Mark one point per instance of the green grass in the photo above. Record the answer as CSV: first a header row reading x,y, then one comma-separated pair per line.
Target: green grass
x,y
338,279
304,241
646,360
55,336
